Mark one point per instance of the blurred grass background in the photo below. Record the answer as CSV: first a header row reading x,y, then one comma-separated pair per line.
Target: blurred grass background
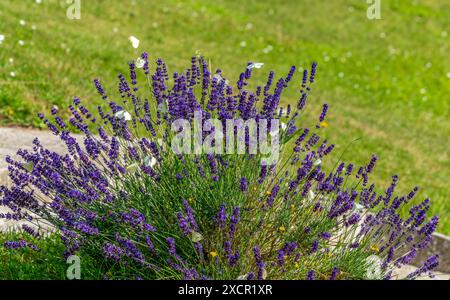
x,y
387,81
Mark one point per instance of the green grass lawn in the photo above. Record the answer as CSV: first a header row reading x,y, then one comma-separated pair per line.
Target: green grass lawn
x,y
387,81
46,264
30,265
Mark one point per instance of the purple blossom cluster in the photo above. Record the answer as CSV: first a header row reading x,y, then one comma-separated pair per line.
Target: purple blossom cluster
x,y
120,193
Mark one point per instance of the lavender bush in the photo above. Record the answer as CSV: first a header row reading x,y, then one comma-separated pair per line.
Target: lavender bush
x,y
122,198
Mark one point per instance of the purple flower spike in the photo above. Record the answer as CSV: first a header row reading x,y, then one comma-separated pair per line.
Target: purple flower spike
x,y
244,184
324,112
234,220
311,275
221,216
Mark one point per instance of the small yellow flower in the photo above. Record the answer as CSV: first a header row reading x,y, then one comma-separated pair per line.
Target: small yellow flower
x,y
292,206
297,265
268,193
324,124
254,188
213,253
375,248
282,229
191,200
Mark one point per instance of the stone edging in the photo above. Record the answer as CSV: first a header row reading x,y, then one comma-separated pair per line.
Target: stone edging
x,y
440,246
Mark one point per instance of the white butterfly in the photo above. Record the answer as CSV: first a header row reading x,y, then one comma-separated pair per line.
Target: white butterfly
x,y
311,195
134,41
123,114
2,38
139,63
196,237
132,167
150,161
359,206
219,78
242,277
255,66
267,49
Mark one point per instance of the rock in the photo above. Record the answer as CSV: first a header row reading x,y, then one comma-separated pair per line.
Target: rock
x,y
11,139
405,270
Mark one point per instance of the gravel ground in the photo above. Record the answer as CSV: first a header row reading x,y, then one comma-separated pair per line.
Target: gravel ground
x,y
13,138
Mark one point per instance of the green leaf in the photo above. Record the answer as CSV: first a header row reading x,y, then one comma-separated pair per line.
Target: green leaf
x,y
29,166
163,107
